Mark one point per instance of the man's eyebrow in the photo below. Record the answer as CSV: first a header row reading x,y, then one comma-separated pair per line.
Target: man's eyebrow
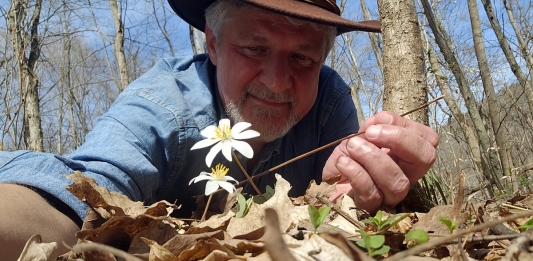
x,y
253,37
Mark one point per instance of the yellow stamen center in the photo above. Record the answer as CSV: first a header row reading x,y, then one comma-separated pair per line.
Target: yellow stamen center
x,y
219,171
223,132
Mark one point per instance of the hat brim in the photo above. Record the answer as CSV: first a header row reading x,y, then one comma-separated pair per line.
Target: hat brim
x,y
192,12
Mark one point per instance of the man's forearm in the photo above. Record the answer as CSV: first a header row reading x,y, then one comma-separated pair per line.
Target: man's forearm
x,y
24,213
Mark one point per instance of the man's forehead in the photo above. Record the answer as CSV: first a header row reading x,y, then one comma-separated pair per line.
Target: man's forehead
x,y
256,36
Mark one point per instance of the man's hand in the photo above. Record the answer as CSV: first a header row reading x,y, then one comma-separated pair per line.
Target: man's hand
x,y
378,167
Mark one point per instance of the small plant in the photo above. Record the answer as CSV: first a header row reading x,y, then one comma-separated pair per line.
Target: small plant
x,y
383,225
526,226
374,245
451,225
317,216
243,205
416,237
266,196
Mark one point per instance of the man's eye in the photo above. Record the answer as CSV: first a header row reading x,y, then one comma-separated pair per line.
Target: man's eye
x,y
301,57
252,48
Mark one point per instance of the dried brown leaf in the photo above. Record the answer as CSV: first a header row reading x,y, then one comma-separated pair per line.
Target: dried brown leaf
x,y
313,190
280,202
348,206
36,250
159,231
157,252
215,222
180,243
106,203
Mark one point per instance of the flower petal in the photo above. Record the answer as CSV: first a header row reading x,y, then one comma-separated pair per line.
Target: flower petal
x,y
239,127
223,122
203,176
227,186
212,154
244,148
246,135
229,178
209,131
226,149
204,143
211,187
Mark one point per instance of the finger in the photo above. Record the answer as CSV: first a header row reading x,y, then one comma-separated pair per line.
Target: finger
x,y
388,118
360,185
381,169
414,154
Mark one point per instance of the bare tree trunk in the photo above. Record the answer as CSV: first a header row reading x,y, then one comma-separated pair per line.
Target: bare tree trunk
x,y
28,81
522,44
488,87
403,74
196,43
502,40
491,166
466,128
118,46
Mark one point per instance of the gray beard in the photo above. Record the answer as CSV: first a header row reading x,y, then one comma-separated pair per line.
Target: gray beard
x,y
268,131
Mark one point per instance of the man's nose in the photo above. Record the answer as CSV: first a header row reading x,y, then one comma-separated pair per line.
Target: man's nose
x,y
276,75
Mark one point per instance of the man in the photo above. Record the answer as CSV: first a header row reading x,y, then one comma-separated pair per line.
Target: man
x,y
263,66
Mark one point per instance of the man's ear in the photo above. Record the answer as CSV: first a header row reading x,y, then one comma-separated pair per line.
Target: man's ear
x,y
211,41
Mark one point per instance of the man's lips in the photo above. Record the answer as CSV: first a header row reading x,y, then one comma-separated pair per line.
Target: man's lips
x,y
269,102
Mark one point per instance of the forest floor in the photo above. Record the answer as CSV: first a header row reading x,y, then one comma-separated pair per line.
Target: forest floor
x,y
283,228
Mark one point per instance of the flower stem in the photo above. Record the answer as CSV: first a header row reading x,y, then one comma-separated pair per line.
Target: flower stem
x,y
206,207
248,178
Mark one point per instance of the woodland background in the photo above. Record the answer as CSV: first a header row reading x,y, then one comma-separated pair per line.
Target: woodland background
x,y
63,62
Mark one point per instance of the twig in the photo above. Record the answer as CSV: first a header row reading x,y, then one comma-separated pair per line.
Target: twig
x,y
329,145
91,246
439,241
248,178
274,244
206,207
341,212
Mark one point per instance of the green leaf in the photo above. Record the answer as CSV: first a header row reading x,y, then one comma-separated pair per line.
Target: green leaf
x,y
317,216
243,206
266,196
381,251
450,224
416,237
376,241
526,226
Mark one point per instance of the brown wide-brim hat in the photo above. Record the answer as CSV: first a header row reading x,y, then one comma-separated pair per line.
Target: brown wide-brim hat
x,y
318,11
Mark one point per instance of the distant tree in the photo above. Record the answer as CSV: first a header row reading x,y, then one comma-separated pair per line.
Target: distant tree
x,y
24,19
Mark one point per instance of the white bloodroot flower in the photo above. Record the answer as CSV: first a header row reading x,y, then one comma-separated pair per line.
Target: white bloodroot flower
x,y
224,137
217,178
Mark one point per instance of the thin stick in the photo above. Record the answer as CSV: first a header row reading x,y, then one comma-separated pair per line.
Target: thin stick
x,y
458,233
248,178
330,144
324,147
206,207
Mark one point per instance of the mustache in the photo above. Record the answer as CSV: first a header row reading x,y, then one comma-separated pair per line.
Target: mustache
x,y
264,93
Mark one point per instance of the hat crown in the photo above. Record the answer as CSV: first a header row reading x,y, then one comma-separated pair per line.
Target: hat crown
x,y
329,5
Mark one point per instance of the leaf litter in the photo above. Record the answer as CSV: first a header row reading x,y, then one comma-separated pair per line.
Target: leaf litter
x,y
117,228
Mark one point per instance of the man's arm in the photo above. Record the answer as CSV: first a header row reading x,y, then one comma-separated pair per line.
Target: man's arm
x,y
377,168
23,213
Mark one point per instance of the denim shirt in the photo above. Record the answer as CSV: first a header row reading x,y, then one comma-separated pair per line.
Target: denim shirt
x,y
141,146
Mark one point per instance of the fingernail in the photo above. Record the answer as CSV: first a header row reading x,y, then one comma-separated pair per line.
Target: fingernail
x,y
373,132
343,160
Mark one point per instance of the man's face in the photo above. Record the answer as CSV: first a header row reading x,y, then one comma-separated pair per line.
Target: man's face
x,y
267,70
